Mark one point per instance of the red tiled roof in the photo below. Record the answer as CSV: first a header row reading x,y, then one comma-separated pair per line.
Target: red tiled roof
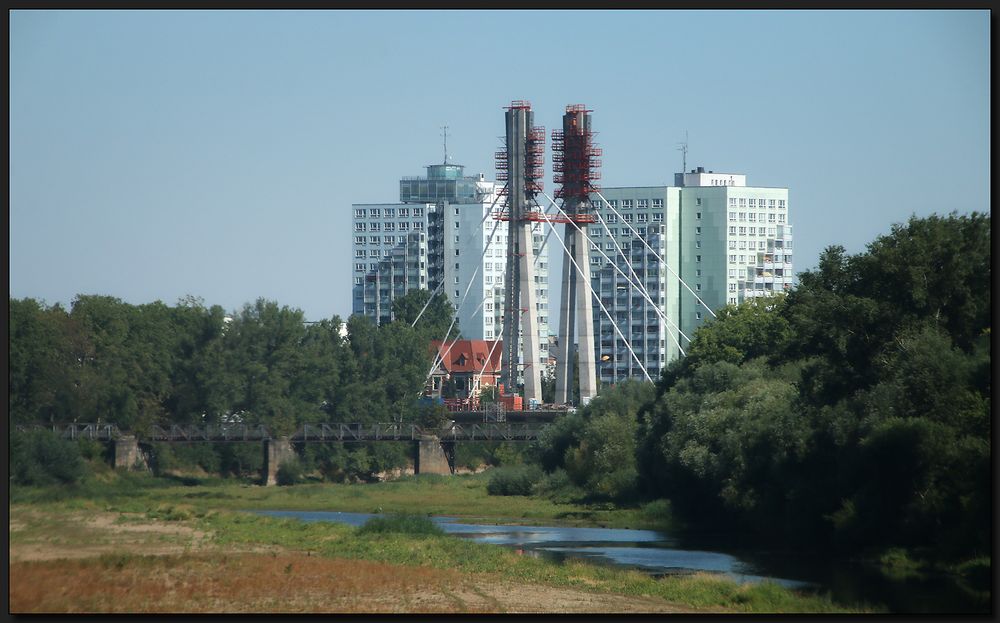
x,y
469,355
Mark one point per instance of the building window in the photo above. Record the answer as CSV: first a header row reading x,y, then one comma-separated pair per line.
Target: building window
x,y
489,265
732,202
390,212
732,259
400,239
626,204
770,231
697,258
732,230
657,217
372,266
753,217
611,219
626,218
359,227
781,204
642,203
743,202
456,279
743,245
743,231
456,293
360,213
753,231
697,315
697,230
732,244
609,246
488,279
732,287
770,217
376,213
732,272
697,272
613,203
404,226
359,240
753,203
732,300
657,203
743,259
456,252
418,226
418,211
781,218
374,227
359,267
697,287
359,253
732,216
641,218
697,244
760,245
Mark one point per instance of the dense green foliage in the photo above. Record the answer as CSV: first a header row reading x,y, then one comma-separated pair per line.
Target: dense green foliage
x,y
41,457
593,450
853,412
140,365
513,480
401,523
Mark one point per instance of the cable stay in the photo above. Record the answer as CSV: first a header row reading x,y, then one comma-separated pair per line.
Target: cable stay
x,y
478,229
468,287
638,285
614,325
657,255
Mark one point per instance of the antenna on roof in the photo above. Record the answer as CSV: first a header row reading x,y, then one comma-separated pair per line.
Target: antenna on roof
x,y
445,133
683,148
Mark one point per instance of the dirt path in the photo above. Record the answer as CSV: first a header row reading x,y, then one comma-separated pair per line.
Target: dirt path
x,y
95,562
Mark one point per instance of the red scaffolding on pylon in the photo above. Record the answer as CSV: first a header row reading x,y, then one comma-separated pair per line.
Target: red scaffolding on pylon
x,y
575,166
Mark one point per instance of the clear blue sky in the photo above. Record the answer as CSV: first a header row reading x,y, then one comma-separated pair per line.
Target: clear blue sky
x,y
159,154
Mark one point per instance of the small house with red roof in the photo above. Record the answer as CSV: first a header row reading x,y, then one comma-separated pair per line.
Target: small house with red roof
x,y
470,364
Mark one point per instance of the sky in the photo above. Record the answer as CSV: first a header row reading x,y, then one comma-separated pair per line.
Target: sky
x,y
160,154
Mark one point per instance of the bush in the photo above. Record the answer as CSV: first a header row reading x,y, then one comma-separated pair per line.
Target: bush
x,y
401,523
558,487
289,473
517,480
41,457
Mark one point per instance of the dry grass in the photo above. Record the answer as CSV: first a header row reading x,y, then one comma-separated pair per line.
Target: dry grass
x,y
289,582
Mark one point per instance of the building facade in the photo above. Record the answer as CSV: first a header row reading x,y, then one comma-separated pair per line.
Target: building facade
x,y
441,235
726,240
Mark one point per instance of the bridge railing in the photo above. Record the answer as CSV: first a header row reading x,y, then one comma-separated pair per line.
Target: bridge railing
x,y
354,432
210,432
74,430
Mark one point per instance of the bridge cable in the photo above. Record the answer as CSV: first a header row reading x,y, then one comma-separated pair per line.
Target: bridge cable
x,y
638,283
440,285
603,308
655,254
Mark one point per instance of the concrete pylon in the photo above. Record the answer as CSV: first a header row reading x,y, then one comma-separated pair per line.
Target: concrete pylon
x,y
522,162
576,320
575,169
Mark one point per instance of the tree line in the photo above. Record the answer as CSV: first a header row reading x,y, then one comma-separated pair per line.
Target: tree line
x,y
851,413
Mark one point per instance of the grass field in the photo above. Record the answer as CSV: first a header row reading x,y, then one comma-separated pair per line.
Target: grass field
x,y
138,544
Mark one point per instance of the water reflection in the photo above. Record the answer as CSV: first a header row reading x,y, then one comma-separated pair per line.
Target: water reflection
x,y
659,554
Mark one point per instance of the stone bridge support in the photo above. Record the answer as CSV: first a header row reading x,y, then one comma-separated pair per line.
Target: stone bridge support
x,y
127,454
435,456
276,452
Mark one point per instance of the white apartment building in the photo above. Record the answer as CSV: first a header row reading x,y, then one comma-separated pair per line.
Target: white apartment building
x,y
437,238
726,240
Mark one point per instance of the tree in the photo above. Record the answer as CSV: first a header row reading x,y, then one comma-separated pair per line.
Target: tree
x,y
437,316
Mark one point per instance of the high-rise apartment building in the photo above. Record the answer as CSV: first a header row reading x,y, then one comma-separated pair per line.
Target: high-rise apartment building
x,y
438,237
726,240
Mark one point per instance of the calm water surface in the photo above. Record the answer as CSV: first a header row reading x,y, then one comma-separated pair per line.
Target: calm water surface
x,y
658,553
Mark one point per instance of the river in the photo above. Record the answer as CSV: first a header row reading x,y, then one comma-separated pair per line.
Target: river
x,y
659,553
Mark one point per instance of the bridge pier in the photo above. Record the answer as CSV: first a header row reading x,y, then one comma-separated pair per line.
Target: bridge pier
x,y
433,457
127,455
276,452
